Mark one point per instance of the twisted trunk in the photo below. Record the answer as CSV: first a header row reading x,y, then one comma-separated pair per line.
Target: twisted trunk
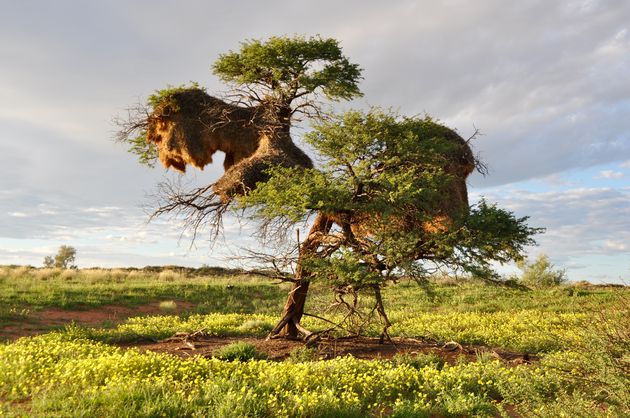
x,y
289,326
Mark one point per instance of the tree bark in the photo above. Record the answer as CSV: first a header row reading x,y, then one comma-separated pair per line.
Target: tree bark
x,y
289,326
380,308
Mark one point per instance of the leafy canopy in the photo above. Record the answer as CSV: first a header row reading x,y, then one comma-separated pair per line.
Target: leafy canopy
x,y
541,273
64,258
286,68
387,178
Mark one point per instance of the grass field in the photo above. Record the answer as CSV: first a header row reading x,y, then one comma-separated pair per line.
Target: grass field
x,y
576,336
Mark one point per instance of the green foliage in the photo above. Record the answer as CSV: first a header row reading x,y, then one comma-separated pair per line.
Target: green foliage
x,y
541,273
163,98
419,360
146,151
490,234
286,68
394,174
64,258
240,351
303,354
344,267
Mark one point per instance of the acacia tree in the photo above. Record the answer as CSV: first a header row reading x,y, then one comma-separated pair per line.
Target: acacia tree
x,y
288,77
285,70
389,201
391,193
64,258
282,81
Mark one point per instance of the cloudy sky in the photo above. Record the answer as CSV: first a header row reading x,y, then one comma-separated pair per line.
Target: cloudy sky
x,y
546,82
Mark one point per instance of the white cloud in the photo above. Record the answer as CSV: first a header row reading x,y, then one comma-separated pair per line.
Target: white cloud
x,y
615,245
579,222
609,174
625,164
18,214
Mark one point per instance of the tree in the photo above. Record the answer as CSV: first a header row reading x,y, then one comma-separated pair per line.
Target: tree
x,y
64,258
286,73
275,83
49,262
389,201
540,273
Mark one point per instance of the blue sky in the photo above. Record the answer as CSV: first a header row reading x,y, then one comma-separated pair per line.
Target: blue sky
x,y
545,82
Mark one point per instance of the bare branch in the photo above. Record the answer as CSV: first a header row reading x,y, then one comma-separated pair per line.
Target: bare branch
x,y
199,209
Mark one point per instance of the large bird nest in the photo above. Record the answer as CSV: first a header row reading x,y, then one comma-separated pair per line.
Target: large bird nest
x,y
189,126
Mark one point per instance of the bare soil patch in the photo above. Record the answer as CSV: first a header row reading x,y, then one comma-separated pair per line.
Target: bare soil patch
x,y
359,347
41,321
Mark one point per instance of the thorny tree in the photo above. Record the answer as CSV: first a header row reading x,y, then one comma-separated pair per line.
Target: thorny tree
x,y
388,201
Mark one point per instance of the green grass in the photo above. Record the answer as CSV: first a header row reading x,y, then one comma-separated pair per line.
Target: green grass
x,y
523,331
581,333
238,351
37,289
33,289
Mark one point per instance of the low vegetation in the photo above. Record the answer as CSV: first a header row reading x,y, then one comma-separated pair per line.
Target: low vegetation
x,y
576,335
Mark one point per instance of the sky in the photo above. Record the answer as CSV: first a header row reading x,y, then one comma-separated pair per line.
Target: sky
x,y
545,82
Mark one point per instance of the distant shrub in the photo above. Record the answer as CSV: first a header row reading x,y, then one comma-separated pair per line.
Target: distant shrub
x,y
168,305
169,275
64,258
541,273
240,351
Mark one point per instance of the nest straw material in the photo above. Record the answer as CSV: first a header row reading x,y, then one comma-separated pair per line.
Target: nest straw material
x,y
190,126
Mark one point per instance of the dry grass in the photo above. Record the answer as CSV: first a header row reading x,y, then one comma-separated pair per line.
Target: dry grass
x,y
168,305
169,275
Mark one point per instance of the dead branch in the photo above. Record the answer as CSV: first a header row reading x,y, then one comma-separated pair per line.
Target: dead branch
x,y
199,209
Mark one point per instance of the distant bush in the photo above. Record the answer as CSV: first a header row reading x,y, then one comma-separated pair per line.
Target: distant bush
x,y
64,259
541,273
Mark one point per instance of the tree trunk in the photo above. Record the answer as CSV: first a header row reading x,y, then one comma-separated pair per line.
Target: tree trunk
x,y
289,326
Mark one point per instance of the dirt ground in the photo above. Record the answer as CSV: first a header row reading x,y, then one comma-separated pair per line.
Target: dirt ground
x,y
187,345
359,347
39,321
